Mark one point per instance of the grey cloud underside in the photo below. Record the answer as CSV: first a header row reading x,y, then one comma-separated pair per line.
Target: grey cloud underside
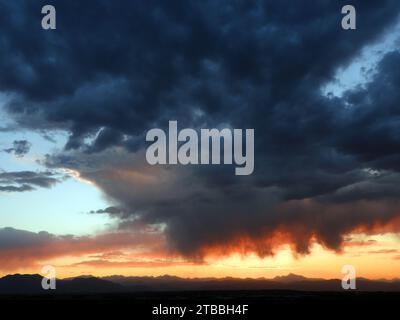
x,y
324,165
20,148
13,239
111,210
9,188
20,181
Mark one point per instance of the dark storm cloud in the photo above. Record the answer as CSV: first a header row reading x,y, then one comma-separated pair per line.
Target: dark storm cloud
x,y
374,135
20,181
20,148
113,70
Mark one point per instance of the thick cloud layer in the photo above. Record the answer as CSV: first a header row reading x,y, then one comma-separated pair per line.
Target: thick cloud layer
x,y
325,166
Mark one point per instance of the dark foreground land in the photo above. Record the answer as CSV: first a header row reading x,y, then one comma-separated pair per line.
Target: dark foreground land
x,y
261,304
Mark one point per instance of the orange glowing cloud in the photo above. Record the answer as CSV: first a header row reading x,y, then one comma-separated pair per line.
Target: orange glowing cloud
x,y
21,248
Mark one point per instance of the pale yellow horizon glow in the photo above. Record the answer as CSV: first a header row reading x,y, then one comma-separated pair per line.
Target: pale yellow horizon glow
x,y
374,257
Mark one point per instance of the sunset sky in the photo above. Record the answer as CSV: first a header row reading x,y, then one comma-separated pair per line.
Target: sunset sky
x,y
77,193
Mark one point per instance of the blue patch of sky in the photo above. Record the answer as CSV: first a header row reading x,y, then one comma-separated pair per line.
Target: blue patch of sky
x,y
362,68
62,209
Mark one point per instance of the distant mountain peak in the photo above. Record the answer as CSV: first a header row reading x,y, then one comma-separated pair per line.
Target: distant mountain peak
x,y
291,277
21,276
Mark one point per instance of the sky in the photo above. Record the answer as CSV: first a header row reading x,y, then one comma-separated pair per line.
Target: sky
x,y
77,193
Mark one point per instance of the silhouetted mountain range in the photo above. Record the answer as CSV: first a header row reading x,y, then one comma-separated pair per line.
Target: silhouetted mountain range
x,y
31,284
